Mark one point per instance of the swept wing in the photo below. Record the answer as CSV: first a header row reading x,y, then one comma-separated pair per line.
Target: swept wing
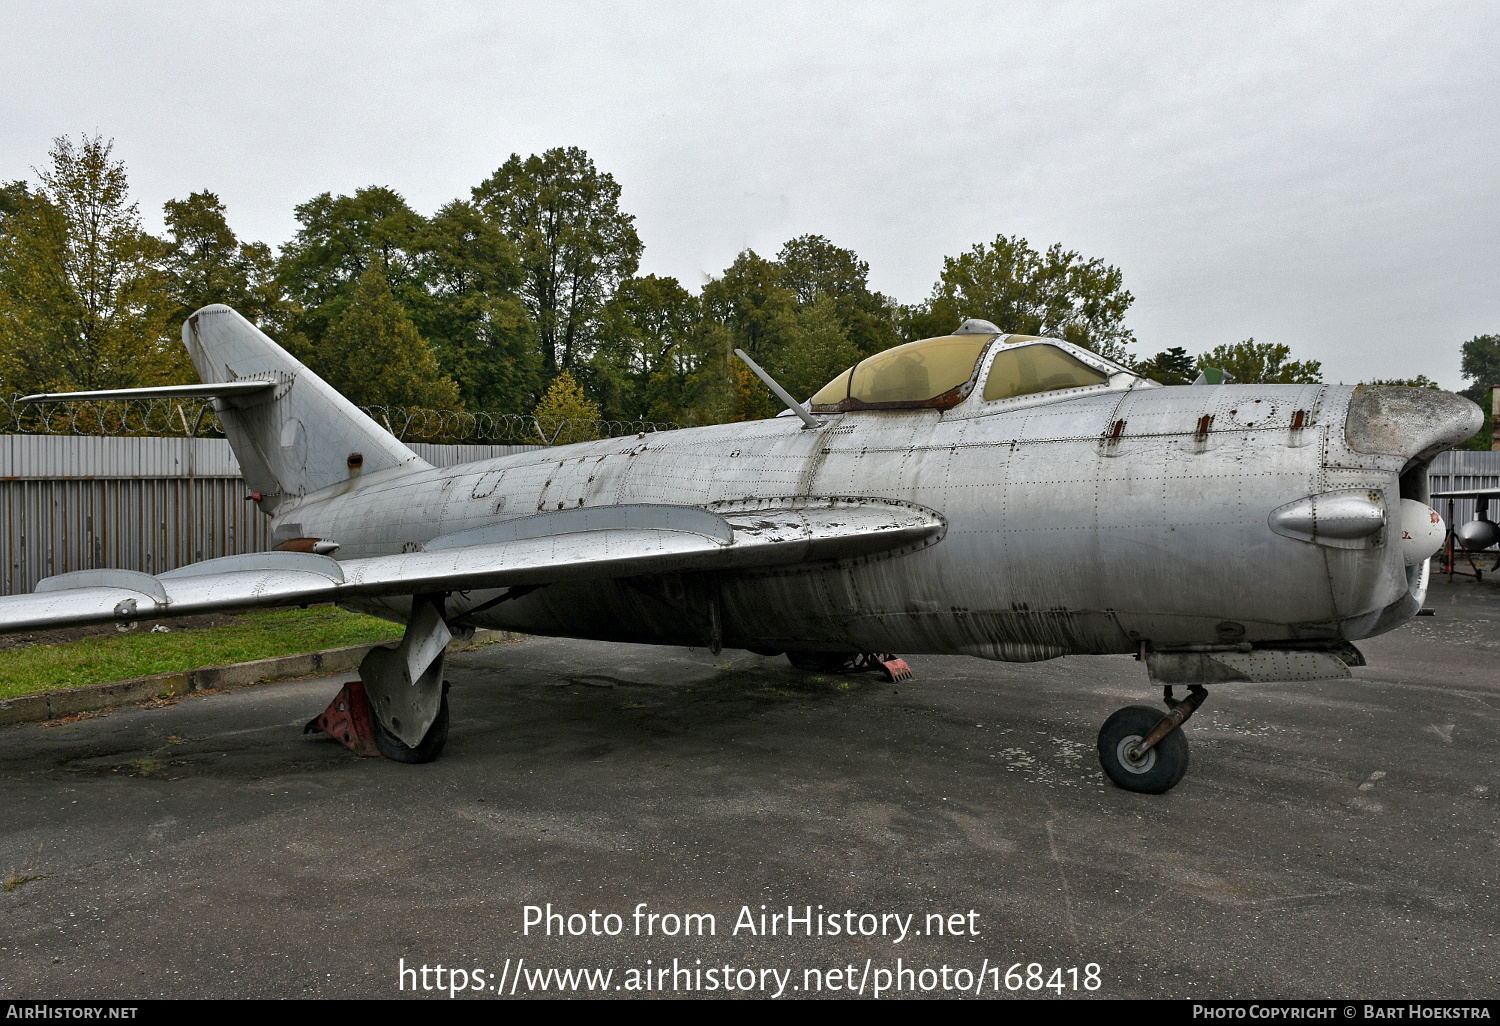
x,y
597,543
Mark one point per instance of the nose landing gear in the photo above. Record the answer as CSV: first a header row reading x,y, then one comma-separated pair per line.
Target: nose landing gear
x,y
1144,751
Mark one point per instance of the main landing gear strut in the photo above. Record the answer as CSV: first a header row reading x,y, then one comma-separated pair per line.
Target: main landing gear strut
x,y
399,706
1142,750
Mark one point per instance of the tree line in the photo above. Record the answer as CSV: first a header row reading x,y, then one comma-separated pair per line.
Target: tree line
x,y
523,296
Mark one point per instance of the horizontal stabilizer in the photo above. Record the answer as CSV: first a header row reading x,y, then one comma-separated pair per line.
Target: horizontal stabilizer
x,y
203,390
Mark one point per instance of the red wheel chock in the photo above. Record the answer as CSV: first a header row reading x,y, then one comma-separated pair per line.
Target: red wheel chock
x,y
895,667
347,720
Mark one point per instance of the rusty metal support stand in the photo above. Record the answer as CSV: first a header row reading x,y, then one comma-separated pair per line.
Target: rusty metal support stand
x,y
1450,551
347,720
1448,543
1176,717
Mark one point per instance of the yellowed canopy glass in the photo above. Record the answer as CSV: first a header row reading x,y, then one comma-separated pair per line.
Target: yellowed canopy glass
x,y
1032,369
835,392
917,370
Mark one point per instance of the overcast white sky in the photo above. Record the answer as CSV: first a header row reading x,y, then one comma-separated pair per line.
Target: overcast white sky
x,y
1321,175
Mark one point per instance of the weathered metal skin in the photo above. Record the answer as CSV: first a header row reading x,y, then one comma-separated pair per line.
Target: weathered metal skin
x,y
1050,503
1093,521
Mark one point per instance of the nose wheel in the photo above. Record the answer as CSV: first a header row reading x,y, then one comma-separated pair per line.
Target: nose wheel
x,y
1141,750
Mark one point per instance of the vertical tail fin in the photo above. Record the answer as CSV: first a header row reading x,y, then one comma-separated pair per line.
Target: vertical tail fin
x,y
301,436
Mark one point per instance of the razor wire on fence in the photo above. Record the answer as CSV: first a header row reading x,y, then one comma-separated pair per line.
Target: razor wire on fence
x,y
197,418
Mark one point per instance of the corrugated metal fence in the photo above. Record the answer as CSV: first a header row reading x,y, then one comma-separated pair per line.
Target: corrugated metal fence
x,y
74,502
1454,470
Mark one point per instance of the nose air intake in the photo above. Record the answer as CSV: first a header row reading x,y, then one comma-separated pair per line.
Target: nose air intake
x,y
1418,423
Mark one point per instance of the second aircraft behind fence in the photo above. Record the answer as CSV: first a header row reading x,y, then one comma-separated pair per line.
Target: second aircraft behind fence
x,y
984,494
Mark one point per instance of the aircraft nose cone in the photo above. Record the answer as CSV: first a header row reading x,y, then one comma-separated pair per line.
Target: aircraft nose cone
x,y
1393,420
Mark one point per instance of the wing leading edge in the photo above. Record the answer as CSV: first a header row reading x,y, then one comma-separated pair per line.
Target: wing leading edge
x,y
597,543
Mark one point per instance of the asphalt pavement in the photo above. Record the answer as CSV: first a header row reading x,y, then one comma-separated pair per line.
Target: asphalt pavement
x,y
1336,840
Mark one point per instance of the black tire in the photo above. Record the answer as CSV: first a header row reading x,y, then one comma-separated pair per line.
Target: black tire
x,y
431,746
819,662
1162,767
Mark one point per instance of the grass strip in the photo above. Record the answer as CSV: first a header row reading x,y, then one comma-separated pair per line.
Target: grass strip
x,y
259,635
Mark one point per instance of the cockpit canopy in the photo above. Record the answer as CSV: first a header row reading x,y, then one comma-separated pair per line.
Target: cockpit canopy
x,y
939,373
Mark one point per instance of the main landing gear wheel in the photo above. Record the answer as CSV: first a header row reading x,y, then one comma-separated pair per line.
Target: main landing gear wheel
x,y
431,745
1155,771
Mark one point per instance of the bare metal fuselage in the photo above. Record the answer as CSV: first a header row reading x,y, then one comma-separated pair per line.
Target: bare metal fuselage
x,y
1076,524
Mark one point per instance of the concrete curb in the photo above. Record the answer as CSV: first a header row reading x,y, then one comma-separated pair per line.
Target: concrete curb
x,y
90,698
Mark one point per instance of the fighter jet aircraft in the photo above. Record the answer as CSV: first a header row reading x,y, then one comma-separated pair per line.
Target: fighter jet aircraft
x,y
1481,532
1478,534
982,493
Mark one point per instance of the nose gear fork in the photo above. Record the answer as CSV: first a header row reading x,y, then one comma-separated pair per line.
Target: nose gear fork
x,y
1178,714
1143,751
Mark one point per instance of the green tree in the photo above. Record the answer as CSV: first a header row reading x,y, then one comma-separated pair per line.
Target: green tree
x,y
374,355
1262,363
205,263
574,242
816,348
455,275
469,309
752,301
82,303
759,314
565,414
649,349
804,317
1169,367
36,308
1481,365
340,237
815,269
1058,294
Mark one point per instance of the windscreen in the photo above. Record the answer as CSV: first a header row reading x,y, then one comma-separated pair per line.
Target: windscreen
x,y
1041,368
